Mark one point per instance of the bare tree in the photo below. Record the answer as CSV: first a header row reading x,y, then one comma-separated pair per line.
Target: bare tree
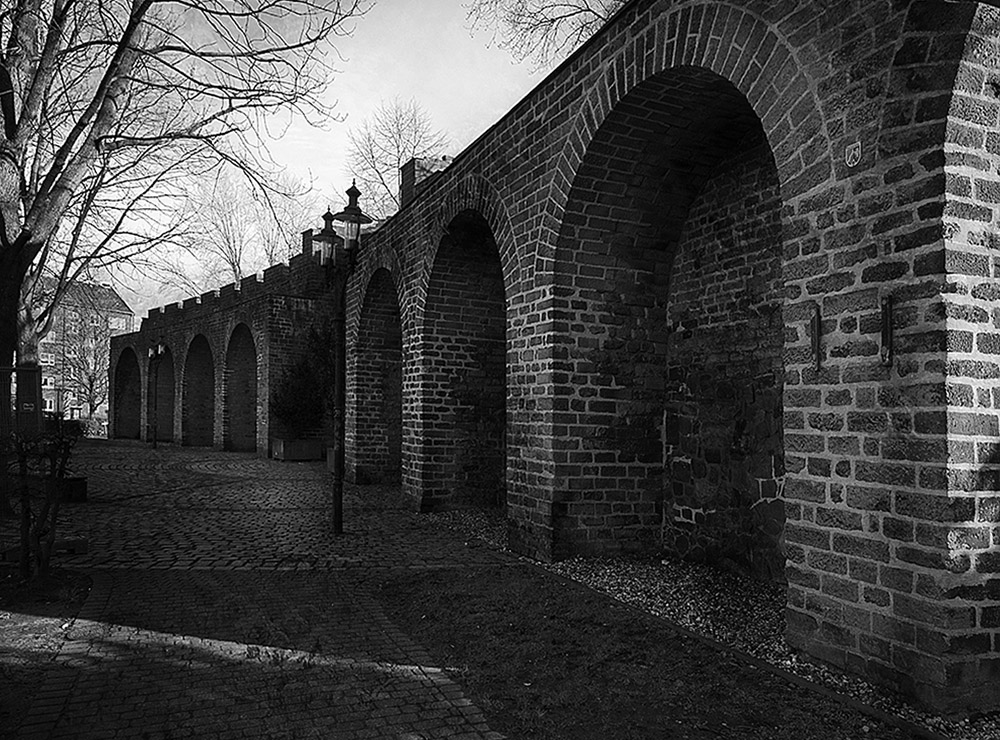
x,y
284,216
85,372
395,133
80,342
233,231
542,30
111,106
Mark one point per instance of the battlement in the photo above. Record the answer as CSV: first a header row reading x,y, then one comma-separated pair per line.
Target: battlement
x,y
302,276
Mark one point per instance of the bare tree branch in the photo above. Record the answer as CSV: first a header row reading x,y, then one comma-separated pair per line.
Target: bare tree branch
x,y
395,133
120,103
542,31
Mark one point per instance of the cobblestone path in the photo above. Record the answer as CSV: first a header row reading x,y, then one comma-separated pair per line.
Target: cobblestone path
x,y
224,607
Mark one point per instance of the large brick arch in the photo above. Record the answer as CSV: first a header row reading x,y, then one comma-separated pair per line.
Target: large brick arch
x,y
128,396
198,402
738,46
377,420
472,193
162,395
669,262
241,408
454,453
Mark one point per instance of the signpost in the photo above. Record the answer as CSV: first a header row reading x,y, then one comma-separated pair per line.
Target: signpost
x,y
21,400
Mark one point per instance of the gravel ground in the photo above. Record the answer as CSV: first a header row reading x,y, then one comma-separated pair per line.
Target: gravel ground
x,y
740,612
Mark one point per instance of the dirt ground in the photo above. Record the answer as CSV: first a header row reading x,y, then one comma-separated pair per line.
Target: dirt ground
x,y
546,658
32,619
541,656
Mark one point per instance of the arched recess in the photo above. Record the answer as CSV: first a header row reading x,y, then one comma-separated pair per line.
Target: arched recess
x,y
161,397
240,411
378,431
198,413
671,252
128,396
462,378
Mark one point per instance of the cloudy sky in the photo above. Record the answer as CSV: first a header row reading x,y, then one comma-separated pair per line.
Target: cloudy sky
x,y
420,49
408,49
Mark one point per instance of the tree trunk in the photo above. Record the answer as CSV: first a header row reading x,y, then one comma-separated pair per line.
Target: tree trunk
x,y
10,290
25,559
27,334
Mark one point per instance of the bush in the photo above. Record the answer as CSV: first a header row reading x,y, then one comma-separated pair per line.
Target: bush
x,y
36,465
296,400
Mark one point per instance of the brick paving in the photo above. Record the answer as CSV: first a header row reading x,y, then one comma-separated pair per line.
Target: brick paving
x,y
223,607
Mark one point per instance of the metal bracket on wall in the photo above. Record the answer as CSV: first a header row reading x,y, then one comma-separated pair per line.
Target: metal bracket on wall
x,y
885,351
816,328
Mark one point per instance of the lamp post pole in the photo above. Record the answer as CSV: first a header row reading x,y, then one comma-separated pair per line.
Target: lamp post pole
x,y
352,217
339,396
155,355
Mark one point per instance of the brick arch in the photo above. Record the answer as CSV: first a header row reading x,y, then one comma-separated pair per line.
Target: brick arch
x,y
198,401
669,260
128,395
751,53
454,452
384,259
240,411
162,395
473,193
377,422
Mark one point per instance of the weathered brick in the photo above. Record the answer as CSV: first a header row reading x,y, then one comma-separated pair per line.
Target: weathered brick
x,y
861,547
634,315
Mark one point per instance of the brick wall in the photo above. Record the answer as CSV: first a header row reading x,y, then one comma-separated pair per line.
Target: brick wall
x,y
462,379
622,373
288,321
198,401
160,412
375,428
241,391
261,307
127,393
722,429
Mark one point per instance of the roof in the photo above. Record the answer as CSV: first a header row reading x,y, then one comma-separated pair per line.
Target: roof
x,y
93,295
89,296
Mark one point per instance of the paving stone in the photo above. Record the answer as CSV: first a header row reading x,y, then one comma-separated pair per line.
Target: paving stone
x,y
224,607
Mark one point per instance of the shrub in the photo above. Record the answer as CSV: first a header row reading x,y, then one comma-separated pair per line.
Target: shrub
x,y
296,400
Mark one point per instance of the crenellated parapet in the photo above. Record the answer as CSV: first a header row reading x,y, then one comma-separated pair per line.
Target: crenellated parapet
x,y
302,276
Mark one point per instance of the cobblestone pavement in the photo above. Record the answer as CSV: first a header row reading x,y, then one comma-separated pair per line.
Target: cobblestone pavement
x,y
224,607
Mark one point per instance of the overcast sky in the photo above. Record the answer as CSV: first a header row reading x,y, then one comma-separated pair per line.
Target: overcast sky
x,y
408,49
420,49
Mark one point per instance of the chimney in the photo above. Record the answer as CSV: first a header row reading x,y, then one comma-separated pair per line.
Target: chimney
x,y
415,174
307,242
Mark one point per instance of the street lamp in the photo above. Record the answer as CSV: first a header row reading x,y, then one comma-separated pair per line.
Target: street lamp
x,y
342,256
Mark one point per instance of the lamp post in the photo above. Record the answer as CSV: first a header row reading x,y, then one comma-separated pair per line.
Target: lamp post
x,y
343,257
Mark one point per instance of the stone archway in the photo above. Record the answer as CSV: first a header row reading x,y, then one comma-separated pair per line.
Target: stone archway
x,y
671,247
128,396
463,372
241,391
378,387
198,413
